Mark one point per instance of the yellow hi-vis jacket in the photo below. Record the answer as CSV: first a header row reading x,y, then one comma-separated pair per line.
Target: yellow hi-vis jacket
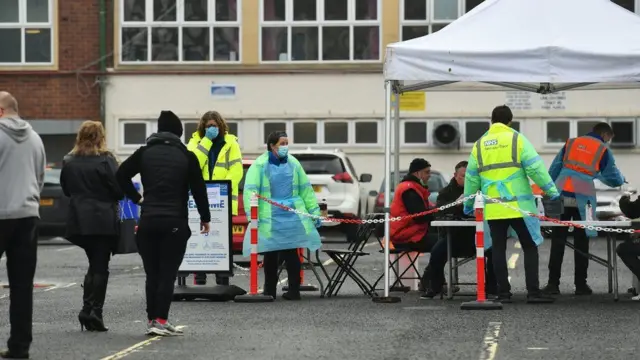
x,y
500,164
228,166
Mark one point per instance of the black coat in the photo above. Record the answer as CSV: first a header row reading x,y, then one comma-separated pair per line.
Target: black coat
x,y
90,183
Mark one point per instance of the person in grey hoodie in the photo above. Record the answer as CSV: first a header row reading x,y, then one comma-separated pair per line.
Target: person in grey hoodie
x,y
22,164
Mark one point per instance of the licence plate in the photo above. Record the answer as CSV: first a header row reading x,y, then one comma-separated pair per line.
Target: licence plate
x,y
317,188
238,229
46,202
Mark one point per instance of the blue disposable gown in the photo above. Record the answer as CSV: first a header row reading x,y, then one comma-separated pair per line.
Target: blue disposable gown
x,y
287,230
585,190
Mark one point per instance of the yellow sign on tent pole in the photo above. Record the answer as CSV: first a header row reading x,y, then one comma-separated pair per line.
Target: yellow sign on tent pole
x,y
412,101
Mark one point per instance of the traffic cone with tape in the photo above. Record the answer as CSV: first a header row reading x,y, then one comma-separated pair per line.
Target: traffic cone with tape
x,y
481,302
253,296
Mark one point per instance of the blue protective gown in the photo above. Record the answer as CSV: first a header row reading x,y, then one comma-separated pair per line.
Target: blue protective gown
x,y
609,174
287,230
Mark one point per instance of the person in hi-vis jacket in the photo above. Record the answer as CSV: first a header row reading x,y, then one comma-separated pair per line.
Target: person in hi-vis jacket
x,y
220,158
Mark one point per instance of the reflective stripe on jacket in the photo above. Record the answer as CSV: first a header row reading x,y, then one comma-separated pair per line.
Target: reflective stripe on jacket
x,y
583,155
407,230
228,165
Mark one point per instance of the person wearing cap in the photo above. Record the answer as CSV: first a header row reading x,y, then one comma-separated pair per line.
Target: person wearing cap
x,y
411,197
277,176
219,157
500,165
167,171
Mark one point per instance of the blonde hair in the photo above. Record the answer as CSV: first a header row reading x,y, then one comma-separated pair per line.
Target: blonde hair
x,y
223,128
90,140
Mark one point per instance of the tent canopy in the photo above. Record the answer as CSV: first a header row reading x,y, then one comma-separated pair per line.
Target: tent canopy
x,y
525,41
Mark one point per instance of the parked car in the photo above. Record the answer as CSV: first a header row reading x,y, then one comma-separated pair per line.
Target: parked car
x,y
53,206
240,222
607,198
336,182
435,184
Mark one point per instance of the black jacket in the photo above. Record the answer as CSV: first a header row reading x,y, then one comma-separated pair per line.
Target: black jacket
x,y
630,209
90,183
167,170
447,195
413,201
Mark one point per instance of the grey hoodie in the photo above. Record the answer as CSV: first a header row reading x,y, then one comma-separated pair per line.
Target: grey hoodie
x,y
22,163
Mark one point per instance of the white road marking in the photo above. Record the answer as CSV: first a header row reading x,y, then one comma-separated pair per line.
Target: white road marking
x,y
537,348
4,296
136,347
517,245
490,341
3,258
50,288
512,261
68,285
67,248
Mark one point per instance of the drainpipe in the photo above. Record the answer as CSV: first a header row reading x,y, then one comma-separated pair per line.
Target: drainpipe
x,y
102,21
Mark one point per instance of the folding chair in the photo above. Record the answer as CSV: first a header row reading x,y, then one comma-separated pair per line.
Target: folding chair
x,y
345,260
398,285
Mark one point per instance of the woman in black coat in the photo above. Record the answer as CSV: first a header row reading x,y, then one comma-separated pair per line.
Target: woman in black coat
x,y
88,178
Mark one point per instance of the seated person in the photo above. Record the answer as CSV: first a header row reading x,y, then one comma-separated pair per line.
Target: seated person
x,y
463,242
412,197
629,251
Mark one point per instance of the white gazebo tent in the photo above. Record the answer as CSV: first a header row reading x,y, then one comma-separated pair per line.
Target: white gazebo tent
x,y
541,46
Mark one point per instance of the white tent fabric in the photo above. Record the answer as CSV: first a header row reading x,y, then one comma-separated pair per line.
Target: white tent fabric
x,y
530,41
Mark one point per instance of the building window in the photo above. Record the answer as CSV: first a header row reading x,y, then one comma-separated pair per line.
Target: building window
x,y
320,30
184,31
424,17
325,132
515,125
415,132
189,129
624,132
233,128
134,133
627,4
366,132
305,132
473,130
585,126
26,32
336,132
558,131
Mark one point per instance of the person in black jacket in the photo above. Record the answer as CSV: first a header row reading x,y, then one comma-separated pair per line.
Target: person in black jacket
x,y
463,239
629,250
167,170
88,178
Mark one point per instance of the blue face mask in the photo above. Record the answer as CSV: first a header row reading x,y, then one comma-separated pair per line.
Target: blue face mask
x,y
212,132
283,151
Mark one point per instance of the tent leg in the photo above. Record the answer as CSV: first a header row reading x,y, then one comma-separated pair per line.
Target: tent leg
x,y
396,139
387,167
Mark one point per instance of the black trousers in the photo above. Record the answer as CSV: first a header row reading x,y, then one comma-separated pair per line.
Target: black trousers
x,y
499,230
629,253
19,240
271,261
580,241
162,243
98,250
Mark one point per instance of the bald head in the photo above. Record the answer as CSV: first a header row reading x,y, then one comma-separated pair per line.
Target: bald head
x,y
8,104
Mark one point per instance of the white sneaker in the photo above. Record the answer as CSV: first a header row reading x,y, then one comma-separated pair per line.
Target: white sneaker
x,y
173,330
157,329
636,298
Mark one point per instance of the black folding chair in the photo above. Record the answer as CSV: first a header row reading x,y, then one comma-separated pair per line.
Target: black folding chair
x,y
345,260
398,285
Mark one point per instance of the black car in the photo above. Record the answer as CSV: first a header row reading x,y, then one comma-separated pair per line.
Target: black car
x,y
53,206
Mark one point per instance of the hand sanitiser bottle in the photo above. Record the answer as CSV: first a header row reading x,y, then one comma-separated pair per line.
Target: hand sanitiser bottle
x,y
588,212
540,205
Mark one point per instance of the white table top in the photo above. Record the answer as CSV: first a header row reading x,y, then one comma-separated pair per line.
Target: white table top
x,y
456,223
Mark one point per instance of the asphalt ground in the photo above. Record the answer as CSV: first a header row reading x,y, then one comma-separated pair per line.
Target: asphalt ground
x,y
349,326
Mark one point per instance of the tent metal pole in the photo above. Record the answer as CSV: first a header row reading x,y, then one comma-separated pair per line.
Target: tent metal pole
x,y
396,139
387,185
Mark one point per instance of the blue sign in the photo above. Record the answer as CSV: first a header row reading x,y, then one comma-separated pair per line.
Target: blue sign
x,y
223,90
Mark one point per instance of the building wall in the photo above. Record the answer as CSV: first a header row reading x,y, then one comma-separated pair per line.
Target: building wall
x,y
359,98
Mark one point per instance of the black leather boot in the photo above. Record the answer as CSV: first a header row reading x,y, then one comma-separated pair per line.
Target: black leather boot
x,y
100,282
87,303
294,285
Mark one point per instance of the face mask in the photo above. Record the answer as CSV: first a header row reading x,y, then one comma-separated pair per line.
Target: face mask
x,y
283,151
213,131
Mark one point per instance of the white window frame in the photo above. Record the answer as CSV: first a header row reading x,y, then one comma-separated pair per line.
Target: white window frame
x,y
430,21
626,120
150,126
320,23
351,128
403,140
573,127
179,24
23,25
463,129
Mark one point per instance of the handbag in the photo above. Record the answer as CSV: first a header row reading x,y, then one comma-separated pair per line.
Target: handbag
x,y
127,232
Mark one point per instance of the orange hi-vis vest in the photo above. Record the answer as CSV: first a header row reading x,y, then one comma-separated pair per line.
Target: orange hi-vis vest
x,y
407,230
536,190
583,155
